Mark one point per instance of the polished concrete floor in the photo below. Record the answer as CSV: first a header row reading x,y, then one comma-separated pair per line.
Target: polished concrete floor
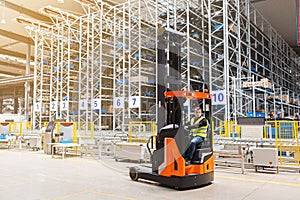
x,y
28,175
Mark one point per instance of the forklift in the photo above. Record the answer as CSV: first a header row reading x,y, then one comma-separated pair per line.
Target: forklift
x,y
172,140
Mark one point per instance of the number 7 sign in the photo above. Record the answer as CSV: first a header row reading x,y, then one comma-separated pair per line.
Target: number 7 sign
x,y
134,101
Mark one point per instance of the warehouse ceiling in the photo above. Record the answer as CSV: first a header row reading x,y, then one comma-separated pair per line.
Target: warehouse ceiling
x,y
15,41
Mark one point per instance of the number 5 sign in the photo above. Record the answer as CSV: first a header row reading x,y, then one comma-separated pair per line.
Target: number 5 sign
x,y
134,102
218,97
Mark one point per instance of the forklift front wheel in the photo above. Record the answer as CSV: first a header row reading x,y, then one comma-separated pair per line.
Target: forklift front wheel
x,y
133,173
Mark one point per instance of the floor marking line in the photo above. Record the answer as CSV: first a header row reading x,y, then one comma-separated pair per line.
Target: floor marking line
x,y
259,181
113,195
72,195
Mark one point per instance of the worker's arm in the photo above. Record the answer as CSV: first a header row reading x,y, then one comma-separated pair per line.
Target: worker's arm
x,y
203,122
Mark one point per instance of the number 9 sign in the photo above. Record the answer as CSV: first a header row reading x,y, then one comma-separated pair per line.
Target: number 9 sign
x,y
218,97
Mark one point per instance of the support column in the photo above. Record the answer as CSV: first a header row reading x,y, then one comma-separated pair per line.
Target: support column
x,y
1,105
27,85
16,105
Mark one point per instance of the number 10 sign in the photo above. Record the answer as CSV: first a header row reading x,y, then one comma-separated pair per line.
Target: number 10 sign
x,y
218,97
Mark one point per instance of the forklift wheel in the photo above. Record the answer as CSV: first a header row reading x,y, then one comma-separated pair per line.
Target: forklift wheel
x,y
133,173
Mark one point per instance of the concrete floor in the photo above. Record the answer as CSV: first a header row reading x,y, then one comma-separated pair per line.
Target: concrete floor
x,y
34,176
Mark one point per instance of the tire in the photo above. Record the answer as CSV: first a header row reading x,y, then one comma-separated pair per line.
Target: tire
x,y
133,173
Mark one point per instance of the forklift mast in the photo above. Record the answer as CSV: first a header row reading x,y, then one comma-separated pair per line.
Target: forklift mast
x,y
169,77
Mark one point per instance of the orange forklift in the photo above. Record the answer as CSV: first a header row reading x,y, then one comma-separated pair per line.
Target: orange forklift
x,y
172,140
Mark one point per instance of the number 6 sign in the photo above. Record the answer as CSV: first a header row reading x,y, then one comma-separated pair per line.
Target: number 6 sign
x,y
119,102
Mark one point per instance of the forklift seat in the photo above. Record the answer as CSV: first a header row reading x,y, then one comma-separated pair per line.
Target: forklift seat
x,y
201,155
203,150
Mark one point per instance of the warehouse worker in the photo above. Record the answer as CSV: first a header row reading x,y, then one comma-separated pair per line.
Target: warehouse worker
x,y
198,130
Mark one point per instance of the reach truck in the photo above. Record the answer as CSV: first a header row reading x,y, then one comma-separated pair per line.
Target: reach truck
x,y
172,140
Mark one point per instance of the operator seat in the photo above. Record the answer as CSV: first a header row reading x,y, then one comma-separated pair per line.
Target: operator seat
x,y
203,150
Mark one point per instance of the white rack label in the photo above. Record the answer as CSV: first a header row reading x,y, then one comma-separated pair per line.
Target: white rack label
x,y
119,102
64,105
38,107
82,104
53,106
134,102
218,97
96,104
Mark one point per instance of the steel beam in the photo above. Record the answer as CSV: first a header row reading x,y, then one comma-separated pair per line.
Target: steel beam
x,y
14,54
27,11
16,37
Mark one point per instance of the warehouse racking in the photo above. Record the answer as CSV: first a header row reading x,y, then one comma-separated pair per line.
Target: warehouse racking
x,y
225,45
243,44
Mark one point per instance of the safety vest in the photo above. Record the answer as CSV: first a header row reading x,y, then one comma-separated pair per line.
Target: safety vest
x,y
202,131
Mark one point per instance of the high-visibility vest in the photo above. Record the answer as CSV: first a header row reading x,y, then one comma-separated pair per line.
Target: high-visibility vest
x,y
201,131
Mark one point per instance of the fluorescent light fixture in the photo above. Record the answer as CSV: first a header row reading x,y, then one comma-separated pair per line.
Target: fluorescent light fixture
x,y
6,75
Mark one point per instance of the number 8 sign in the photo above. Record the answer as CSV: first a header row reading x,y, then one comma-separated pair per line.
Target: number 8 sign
x,y
218,97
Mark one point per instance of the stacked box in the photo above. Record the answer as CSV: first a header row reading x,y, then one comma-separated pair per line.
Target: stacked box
x,y
286,98
135,79
263,83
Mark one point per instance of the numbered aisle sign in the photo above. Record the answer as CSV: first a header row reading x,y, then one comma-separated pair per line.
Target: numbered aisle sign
x,y
53,106
119,102
38,107
134,102
96,104
64,105
82,104
218,97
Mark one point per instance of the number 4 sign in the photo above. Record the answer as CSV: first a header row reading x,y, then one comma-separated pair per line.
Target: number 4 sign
x,y
218,97
134,102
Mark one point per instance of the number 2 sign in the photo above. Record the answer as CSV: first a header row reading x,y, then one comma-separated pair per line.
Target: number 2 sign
x,y
53,106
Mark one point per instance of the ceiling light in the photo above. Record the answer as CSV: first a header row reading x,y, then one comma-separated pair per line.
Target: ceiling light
x,y
3,12
60,1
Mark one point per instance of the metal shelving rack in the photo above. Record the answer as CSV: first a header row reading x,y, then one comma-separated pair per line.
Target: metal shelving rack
x,y
188,19
141,59
223,40
41,34
64,65
243,44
